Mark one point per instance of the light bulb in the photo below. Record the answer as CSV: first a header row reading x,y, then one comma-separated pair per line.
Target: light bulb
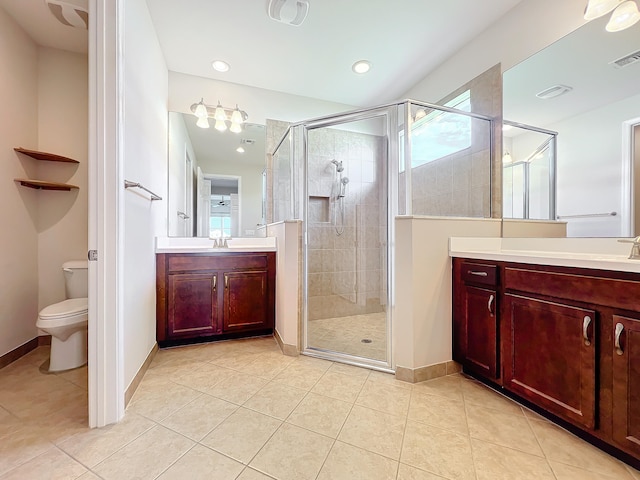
x,y
420,113
201,110
240,150
202,122
236,116
220,114
623,17
235,127
220,125
598,8
507,158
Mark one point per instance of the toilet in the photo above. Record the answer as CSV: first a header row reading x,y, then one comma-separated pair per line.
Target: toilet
x,y
67,321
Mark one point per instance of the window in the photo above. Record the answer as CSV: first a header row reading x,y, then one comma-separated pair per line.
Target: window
x,y
438,133
220,217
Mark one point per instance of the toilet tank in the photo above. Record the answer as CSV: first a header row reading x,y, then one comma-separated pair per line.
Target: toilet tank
x,y
76,278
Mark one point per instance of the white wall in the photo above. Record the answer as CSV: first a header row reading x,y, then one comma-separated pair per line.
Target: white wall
x,y
62,129
19,212
524,30
145,161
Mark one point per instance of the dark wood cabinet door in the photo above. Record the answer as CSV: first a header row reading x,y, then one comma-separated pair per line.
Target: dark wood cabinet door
x,y
626,382
481,331
192,305
549,356
245,300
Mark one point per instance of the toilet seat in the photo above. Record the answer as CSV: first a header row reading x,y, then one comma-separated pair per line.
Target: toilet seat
x,y
65,309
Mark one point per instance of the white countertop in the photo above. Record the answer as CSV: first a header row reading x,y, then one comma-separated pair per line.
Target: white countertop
x,y
596,253
205,245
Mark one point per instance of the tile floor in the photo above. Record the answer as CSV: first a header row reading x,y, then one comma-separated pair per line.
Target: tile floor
x,y
345,335
241,410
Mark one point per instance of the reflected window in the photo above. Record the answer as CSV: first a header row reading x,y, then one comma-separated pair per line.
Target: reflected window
x,y
220,217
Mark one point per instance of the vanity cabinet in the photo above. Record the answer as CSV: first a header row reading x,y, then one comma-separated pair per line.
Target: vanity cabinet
x,y
564,340
203,296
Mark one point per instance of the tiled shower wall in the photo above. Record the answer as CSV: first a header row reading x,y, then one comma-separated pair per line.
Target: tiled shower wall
x,y
347,272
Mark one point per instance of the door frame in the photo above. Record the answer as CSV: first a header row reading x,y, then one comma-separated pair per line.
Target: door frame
x,y
106,213
627,210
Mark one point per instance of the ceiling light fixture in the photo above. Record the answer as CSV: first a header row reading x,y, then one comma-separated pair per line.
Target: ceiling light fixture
x,y
554,91
220,66
291,12
232,118
625,13
361,66
240,150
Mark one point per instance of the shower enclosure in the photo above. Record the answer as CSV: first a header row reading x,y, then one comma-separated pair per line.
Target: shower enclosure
x,y
347,177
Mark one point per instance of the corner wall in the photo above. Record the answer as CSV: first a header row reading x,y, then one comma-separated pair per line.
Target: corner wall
x,y
19,215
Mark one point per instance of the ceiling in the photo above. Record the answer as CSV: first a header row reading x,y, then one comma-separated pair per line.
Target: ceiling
x,y
403,39
580,60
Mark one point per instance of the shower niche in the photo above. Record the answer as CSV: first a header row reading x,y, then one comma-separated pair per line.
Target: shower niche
x,y
319,209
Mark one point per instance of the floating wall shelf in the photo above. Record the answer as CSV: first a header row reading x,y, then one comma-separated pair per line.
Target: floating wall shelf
x,y
40,185
49,157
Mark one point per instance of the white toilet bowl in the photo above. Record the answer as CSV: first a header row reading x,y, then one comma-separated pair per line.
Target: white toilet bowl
x,y
66,322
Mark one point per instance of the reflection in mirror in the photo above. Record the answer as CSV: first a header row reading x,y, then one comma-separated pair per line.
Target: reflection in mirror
x,y
596,121
214,190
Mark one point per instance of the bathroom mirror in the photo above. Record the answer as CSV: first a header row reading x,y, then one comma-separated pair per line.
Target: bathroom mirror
x,y
597,120
214,190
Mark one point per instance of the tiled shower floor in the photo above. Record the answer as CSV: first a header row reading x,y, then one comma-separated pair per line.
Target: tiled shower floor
x,y
362,335
241,410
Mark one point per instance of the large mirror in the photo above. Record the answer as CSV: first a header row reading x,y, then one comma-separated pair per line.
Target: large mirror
x,y
597,121
215,179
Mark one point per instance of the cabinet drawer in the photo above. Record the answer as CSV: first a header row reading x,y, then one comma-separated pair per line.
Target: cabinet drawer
x,y
479,273
224,261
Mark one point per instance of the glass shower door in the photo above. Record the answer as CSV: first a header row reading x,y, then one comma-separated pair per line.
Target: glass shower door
x,y
346,221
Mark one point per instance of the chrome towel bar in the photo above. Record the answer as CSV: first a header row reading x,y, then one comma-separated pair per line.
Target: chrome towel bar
x,y
128,184
585,215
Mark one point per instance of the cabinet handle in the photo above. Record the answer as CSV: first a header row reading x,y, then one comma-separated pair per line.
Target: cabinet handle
x,y
585,330
619,329
226,281
477,274
491,298
215,282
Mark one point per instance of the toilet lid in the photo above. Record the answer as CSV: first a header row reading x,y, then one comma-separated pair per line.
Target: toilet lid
x,y
72,306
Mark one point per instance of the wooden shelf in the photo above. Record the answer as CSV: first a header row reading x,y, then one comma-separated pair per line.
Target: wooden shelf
x,y
40,185
49,157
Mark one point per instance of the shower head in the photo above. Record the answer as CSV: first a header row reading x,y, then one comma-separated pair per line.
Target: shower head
x,y
345,180
339,167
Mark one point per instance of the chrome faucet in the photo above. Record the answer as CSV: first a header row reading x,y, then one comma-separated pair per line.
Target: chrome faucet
x,y
635,248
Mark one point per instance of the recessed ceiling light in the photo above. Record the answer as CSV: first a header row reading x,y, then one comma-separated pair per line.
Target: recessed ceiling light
x,y
554,91
361,66
220,66
240,150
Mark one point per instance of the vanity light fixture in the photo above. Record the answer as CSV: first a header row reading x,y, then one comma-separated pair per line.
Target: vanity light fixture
x,y
625,13
220,66
361,66
231,118
507,158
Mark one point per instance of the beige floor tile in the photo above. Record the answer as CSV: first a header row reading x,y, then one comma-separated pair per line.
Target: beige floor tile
x,y
346,462
300,375
203,377
388,379
238,388
567,472
95,445
504,429
146,457
236,360
449,386
251,474
53,464
477,394
500,463
339,386
634,473
350,370
89,476
443,412
77,376
242,434
406,472
276,400
267,365
159,402
202,463
437,451
293,454
20,445
374,431
198,418
320,414
560,446
384,398
531,415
